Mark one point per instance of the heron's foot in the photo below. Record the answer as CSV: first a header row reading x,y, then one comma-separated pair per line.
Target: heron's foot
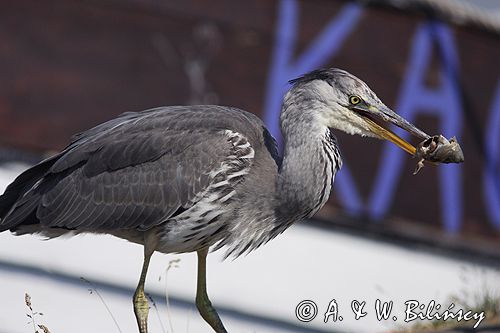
x,y
141,310
209,313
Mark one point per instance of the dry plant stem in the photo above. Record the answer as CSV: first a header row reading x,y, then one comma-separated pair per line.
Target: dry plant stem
x,y
168,305
27,300
190,314
94,289
33,321
157,312
171,264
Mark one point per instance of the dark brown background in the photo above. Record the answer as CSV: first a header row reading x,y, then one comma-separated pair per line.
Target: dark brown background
x,y
68,65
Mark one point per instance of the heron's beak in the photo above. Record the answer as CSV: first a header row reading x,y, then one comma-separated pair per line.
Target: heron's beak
x,y
379,120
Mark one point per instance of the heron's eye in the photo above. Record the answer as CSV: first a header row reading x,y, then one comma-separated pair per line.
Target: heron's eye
x,y
354,99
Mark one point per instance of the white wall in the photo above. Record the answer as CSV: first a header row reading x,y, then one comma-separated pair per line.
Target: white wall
x,y
303,263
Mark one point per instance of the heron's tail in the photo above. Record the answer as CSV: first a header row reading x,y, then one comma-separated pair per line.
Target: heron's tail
x,y
19,202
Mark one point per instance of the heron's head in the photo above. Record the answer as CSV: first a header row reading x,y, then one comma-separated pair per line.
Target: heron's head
x,y
337,99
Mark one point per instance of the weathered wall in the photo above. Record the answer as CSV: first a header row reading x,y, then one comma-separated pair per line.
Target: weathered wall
x,y
68,65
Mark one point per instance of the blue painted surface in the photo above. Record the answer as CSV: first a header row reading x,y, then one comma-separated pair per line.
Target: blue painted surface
x,y
414,99
284,68
492,167
323,48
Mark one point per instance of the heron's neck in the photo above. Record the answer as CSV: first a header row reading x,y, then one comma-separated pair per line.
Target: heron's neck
x,y
310,161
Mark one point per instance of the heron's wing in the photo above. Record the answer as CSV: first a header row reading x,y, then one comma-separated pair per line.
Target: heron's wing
x,y
134,174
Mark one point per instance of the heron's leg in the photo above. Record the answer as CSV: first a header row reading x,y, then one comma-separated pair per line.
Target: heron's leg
x,y
203,304
141,306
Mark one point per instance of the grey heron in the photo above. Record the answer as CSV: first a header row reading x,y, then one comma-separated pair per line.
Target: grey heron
x,y
194,178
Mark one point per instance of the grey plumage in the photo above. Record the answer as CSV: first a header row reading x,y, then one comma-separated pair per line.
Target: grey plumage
x,y
187,178
137,172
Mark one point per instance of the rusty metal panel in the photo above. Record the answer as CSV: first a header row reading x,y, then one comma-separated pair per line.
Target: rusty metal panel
x,y
68,65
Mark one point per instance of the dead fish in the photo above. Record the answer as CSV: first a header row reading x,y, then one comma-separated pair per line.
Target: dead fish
x,y
438,149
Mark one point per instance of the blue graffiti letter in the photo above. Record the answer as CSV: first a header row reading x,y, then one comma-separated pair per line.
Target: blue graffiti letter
x,y
442,101
324,46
